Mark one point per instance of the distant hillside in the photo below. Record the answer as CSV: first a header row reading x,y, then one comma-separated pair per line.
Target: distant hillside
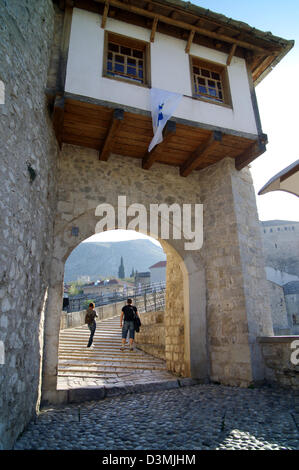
x,y
98,259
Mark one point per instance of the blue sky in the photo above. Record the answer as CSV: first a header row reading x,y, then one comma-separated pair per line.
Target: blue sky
x,y
279,112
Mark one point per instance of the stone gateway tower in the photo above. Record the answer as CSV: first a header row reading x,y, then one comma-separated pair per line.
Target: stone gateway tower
x,y
75,129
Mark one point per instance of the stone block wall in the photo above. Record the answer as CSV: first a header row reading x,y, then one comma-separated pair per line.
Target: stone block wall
x,y
151,337
278,309
279,367
237,305
292,306
27,201
174,318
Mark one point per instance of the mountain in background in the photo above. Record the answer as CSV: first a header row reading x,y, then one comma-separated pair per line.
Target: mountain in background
x,y
102,259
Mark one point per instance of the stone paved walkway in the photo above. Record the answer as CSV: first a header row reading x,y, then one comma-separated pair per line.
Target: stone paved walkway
x,y
105,366
185,418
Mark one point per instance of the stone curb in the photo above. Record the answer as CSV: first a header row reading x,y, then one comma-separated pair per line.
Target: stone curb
x,y
79,395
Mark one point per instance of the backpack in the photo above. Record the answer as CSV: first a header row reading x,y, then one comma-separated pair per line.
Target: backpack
x,y
137,324
89,317
130,316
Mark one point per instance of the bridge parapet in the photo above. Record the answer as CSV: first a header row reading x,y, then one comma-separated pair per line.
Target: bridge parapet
x,y
281,359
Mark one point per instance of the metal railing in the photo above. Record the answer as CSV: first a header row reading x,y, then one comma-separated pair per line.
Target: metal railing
x,y
149,297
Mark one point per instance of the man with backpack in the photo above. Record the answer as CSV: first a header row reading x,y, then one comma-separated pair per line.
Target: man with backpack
x,y
127,323
90,316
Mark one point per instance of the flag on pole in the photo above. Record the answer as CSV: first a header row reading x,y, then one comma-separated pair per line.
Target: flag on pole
x,y
163,105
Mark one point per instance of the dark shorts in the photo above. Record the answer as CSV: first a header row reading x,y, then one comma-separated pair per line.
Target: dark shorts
x,y
128,326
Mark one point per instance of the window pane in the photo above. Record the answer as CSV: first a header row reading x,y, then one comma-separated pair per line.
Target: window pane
x,y
131,61
110,55
212,92
220,95
120,58
125,50
201,81
119,68
113,47
109,65
202,89
131,70
219,86
138,54
196,70
205,73
140,73
211,84
216,76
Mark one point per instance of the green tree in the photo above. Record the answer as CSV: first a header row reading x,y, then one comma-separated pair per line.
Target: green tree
x,y
75,288
121,269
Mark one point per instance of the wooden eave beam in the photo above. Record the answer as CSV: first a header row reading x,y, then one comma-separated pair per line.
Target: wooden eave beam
x,y
266,61
231,54
58,118
183,25
116,122
150,157
105,15
189,43
200,153
154,29
254,151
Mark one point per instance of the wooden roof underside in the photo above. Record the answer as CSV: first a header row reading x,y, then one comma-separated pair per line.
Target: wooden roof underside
x,y
198,25
124,132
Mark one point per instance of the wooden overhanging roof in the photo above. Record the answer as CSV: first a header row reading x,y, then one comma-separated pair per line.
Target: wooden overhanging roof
x,y
189,22
126,131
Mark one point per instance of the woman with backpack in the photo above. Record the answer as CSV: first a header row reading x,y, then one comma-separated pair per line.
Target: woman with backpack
x,y
90,316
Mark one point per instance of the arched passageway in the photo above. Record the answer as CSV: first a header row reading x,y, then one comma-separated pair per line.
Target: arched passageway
x,y
217,290
178,338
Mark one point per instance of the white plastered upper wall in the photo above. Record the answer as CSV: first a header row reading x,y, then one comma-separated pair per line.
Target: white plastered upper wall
x,y
170,71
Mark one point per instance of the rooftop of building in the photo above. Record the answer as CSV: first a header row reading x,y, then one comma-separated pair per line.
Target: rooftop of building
x,y
268,223
160,264
262,49
291,287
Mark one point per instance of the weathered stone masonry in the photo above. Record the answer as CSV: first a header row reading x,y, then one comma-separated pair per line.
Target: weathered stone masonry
x,y
28,190
215,303
214,307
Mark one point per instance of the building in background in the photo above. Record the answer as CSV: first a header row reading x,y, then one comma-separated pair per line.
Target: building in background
x,y
142,279
158,272
281,251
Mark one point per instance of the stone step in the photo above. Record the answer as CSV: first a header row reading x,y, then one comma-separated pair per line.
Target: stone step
x,y
120,363
111,357
112,353
103,367
105,362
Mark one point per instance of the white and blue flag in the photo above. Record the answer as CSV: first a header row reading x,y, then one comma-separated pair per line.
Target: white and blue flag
x,y
163,105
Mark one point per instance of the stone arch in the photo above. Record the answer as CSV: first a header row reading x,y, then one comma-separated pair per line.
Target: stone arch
x,y
186,346
224,304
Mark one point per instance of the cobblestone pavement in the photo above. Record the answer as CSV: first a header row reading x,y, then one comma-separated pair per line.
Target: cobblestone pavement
x,y
188,418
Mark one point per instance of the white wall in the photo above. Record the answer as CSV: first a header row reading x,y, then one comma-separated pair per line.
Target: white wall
x,y
169,71
279,277
158,274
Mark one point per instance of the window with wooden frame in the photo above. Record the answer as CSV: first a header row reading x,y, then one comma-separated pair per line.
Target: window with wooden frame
x,y
126,59
210,81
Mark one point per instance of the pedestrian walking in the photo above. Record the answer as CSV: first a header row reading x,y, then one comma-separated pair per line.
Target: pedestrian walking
x,y
90,316
128,314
